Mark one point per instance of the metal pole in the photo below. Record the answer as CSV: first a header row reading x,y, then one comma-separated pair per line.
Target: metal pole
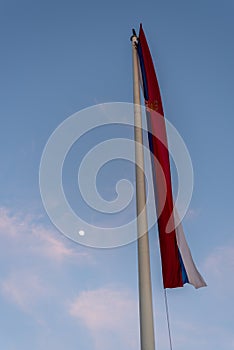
x,y
145,289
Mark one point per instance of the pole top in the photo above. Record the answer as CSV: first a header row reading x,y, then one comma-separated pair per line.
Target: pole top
x,y
134,36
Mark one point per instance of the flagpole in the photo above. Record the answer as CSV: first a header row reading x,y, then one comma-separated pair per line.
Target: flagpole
x,y
145,288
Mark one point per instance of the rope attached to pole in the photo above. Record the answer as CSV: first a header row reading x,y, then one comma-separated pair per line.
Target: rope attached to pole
x,y
168,318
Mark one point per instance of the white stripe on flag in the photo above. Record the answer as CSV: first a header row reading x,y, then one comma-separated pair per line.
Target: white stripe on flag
x,y
193,274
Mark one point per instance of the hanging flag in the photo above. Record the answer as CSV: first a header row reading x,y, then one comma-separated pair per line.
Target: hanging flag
x,y
178,267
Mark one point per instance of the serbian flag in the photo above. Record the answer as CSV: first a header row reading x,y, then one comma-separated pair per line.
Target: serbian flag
x,y
178,267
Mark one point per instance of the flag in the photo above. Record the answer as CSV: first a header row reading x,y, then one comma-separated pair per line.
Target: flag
x,y
178,267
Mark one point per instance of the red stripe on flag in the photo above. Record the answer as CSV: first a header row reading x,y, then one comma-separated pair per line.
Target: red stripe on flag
x,y
171,269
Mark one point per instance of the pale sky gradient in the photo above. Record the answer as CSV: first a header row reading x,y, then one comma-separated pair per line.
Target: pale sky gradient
x,y
58,57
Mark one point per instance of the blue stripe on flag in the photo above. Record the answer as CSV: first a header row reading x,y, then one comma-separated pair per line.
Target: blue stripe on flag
x,y
184,273
145,88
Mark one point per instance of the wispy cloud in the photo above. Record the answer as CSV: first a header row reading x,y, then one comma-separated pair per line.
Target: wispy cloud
x,y
106,312
34,260
26,233
24,288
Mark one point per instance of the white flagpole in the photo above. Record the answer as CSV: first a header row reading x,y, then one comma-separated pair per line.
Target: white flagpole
x,y
145,288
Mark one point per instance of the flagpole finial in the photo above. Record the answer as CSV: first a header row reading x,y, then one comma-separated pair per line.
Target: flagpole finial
x,y
134,36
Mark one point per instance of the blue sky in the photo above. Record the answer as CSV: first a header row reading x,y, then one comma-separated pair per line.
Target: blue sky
x,y
56,59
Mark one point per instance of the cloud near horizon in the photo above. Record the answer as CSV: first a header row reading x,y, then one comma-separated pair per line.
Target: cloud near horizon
x,y
108,313
34,258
